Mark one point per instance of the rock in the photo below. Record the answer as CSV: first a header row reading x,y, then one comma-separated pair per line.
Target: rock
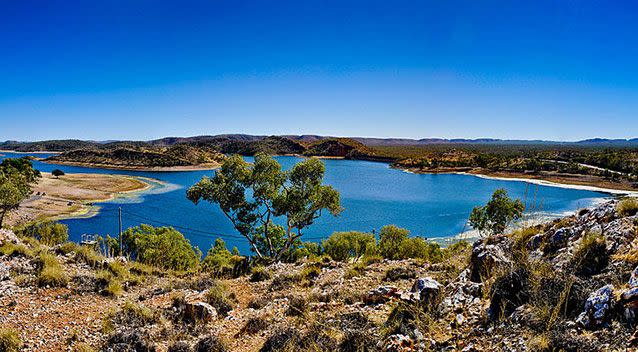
x,y
487,255
597,307
382,294
427,291
7,236
400,343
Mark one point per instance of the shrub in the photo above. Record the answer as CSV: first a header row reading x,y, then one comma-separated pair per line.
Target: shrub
x,y
282,280
82,347
49,233
310,272
591,256
130,315
88,255
219,299
179,346
341,246
114,287
419,248
390,239
16,250
259,302
254,325
10,341
627,207
211,343
297,306
162,247
282,340
259,273
57,173
51,271
220,262
399,273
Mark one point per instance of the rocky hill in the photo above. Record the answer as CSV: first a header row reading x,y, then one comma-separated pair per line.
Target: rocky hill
x,y
128,157
571,285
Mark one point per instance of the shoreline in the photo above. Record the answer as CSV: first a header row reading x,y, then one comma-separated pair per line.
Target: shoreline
x,y
541,182
531,180
74,196
201,167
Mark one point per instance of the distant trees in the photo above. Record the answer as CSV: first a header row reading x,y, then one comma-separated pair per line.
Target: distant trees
x,y
16,178
497,214
57,173
252,196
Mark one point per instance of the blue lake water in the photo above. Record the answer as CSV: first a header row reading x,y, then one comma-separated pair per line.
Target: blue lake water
x,y
373,195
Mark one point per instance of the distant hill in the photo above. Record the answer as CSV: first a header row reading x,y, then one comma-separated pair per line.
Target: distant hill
x,y
177,155
287,144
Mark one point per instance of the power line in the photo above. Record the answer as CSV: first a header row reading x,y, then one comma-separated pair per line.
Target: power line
x,y
202,233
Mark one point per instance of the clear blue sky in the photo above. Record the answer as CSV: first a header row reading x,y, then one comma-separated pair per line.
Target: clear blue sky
x,y
130,69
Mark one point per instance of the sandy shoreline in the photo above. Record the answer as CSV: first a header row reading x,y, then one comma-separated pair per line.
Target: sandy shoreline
x,y
541,182
74,195
536,181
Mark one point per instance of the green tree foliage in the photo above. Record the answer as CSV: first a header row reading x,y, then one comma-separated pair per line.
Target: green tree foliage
x,y
497,214
395,243
57,173
162,247
251,196
218,257
16,177
49,232
342,246
390,239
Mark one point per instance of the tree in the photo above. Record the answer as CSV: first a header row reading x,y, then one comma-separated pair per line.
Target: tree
x,y
57,173
163,247
252,196
16,177
341,246
390,239
497,214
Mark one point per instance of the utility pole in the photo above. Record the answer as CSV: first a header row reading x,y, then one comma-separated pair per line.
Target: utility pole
x,y
120,216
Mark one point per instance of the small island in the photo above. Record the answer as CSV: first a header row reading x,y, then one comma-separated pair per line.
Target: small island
x,y
72,195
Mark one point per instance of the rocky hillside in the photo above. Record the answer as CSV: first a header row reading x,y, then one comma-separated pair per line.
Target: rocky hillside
x,y
178,155
571,285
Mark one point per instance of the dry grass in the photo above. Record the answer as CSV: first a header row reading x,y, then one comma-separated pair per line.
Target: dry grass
x,y
627,207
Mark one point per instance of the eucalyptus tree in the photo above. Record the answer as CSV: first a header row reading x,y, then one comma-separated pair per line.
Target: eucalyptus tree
x,y
494,217
252,196
16,177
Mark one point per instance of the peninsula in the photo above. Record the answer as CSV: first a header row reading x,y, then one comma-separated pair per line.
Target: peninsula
x,y
72,195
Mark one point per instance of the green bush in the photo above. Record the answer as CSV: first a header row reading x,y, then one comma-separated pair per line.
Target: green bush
x,y
627,207
222,263
390,239
51,271
16,250
49,233
342,246
419,248
162,247
395,243
259,273
9,341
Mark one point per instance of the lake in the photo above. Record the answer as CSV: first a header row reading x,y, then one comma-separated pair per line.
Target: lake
x,y
372,193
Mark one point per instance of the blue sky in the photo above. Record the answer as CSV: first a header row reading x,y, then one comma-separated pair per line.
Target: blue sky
x,y
560,70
